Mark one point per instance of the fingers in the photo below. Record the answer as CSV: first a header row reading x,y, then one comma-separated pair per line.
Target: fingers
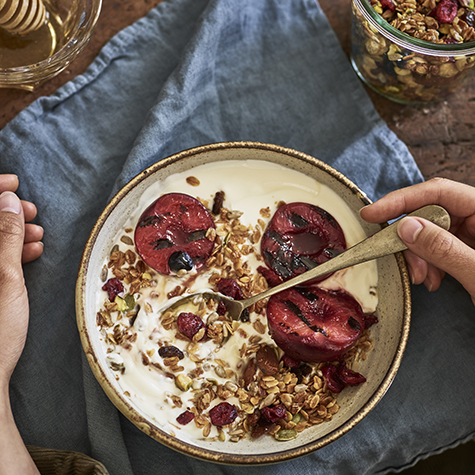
x,y
457,198
31,251
33,233
441,250
29,210
8,183
33,247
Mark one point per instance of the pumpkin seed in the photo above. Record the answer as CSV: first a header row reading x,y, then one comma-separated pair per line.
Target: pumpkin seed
x,y
286,434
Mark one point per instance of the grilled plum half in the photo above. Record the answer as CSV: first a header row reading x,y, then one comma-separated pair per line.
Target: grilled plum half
x,y
299,237
171,233
313,324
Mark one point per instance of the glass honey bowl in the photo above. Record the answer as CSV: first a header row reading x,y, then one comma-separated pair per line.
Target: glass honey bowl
x,y
402,68
28,60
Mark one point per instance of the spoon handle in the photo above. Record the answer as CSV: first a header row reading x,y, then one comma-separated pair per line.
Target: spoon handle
x,y
380,244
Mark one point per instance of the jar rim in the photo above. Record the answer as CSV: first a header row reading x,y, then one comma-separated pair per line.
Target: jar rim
x,y
44,68
406,41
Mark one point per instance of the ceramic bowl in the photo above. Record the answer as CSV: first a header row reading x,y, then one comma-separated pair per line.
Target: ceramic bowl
x,y
389,335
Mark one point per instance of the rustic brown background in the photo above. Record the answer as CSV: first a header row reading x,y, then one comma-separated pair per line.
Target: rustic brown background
x,y
440,135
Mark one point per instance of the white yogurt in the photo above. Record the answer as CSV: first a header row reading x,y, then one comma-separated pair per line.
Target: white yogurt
x,y
249,186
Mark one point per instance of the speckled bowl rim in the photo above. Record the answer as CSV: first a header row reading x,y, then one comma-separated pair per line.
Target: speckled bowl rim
x,y
187,448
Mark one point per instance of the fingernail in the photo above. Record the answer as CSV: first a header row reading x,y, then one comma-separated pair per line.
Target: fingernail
x,y
10,202
408,229
428,285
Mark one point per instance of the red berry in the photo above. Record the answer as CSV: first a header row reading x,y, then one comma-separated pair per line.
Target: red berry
x,y
113,287
337,377
223,414
388,4
221,310
271,277
230,288
290,362
313,324
299,237
185,418
189,324
445,11
370,320
274,413
334,383
171,233
348,376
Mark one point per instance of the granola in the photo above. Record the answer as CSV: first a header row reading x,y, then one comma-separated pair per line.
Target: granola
x,y
216,382
403,70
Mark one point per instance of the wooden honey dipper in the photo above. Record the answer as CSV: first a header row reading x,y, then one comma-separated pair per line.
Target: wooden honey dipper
x,y
22,16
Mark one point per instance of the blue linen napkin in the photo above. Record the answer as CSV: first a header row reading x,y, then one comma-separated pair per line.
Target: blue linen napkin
x,y
194,72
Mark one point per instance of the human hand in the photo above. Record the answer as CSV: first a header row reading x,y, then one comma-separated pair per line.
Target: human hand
x,y
432,250
20,241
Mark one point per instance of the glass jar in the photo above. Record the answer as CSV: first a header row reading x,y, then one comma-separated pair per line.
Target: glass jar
x,y
30,60
402,68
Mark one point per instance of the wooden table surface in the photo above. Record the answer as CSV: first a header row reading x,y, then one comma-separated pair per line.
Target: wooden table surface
x,y
440,136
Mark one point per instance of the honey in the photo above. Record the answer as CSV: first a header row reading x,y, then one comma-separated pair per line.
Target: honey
x,y
30,47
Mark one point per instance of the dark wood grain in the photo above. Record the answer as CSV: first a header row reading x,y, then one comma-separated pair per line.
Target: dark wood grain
x,y
440,135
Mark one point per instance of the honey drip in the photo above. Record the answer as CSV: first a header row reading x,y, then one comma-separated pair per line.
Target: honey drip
x,y
22,16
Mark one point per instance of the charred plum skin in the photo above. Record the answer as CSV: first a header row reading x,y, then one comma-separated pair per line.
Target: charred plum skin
x,y
298,237
174,223
313,324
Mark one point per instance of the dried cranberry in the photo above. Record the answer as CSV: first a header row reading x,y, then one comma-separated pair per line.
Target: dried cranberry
x,y
230,288
174,225
189,324
334,383
274,413
113,287
299,237
314,324
223,414
221,310
290,362
185,418
170,352
388,4
348,376
445,11
337,377
271,277
370,320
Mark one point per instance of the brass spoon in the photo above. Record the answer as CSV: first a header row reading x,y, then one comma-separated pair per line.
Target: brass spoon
x,y
380,244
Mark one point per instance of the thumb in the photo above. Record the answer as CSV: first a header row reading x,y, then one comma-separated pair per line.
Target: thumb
x,y
440,248
14,308
12,231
